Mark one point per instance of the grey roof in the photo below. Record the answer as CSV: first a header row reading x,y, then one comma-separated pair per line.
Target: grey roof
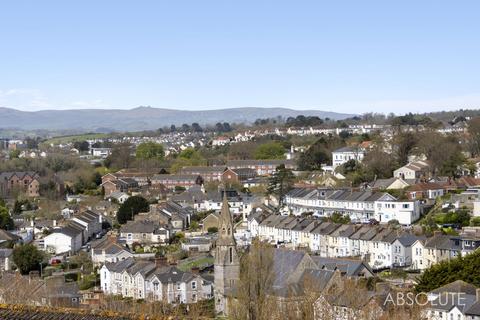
x,y
143,267
326,228
347,149
407,239
8,236
240,163
202,169
339,194
140,226
120,266
172,274
349,267
284,264
452,299
68,230
194,194
473,310
456,286
176,177
441,241
108,246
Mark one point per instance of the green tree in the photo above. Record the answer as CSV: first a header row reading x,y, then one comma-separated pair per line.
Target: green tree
x,y
14,154
314,157
474,136
465,268
6,221
150,150
121,157
339,218
27,258
188,157
81,146
131,207
280,183
379,164
270,150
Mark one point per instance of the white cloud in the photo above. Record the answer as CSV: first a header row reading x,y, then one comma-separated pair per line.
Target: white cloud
x,y
25,99
35,99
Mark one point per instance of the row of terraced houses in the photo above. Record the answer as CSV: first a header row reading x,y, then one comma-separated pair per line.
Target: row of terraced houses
x,y
360,206
381,246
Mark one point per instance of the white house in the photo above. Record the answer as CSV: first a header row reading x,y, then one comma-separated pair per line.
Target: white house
x,y
100,152
345,154
91,221
153,281
119,196
67,239
412,170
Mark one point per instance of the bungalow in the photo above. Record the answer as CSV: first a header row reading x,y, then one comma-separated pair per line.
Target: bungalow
x,y
413,170
424,191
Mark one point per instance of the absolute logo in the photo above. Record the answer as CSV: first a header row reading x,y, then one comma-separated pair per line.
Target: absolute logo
x,y
424,299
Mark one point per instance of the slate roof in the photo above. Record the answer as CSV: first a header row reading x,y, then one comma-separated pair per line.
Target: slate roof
x,y
202,169
8,236
349,267
120,266
347,149
140,226
408,239
240,163
284,264
176,177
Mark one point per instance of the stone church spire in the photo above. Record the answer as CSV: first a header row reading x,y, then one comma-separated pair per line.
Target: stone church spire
x,y
227,264
225,227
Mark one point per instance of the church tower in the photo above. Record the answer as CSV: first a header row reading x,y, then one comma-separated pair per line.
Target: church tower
x,y
227,264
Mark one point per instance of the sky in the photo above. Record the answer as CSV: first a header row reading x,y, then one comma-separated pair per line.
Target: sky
x,y
343,56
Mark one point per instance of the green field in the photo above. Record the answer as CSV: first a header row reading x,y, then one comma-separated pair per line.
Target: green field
x,y
79,137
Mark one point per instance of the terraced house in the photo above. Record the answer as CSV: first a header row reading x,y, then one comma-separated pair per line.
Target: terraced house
x,y
23,181
376,245
153,281
360,206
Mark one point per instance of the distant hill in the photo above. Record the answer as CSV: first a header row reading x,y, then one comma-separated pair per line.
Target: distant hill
x,y
142,118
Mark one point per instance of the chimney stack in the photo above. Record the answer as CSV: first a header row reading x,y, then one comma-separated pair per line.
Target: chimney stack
x,y
196,270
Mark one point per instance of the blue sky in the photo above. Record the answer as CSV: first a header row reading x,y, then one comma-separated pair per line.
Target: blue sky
x,y
345,56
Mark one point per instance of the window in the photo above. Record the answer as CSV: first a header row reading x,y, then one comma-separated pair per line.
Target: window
x,y
178,286
155,286
231,254
194,298
194,285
